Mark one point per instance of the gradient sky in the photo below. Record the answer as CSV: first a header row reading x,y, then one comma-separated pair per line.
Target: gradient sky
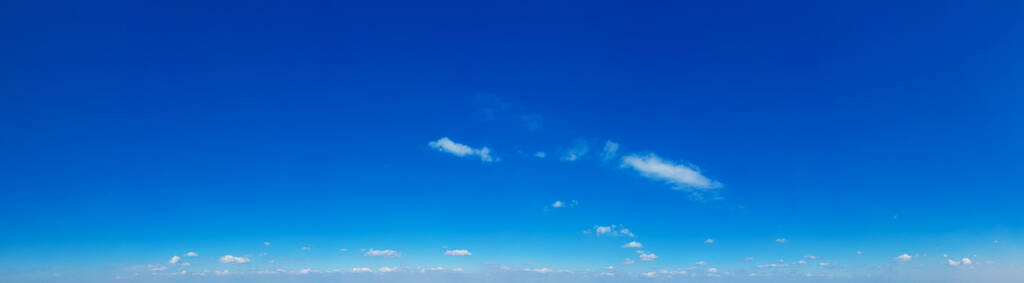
x,y
865,141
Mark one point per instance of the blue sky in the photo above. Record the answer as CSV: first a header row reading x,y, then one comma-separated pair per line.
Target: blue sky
x,y
511,142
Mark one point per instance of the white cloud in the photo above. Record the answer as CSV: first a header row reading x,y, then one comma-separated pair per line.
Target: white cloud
x,y
953,262
904,257
709,241
824,264
189,254
185,264
773,265
648,257
558,204
221,272
633,244
540,154
382,253
610,149
965,261
306,248
387,269
157,268
361,269
713,270
577,151
613,230
781,240
680,176
628,261
447,145
233,259
539,270
458,253
342,250
649,274
174,259
305,271
811,257
266,244
701,263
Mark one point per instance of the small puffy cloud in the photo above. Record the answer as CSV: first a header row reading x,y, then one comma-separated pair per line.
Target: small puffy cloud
x,y
773,265
648,257
266,244
860,252
701,263
539,270
965,261
387,269
678,175
713,270
709,241
457,253
233,259
540,154
445,144
824,264
649,274
221,272
361,269
613,230
558,204
578,149
628,261
174,259
781,240
633,245
306,248
382,253
157,268
811,257
801,262
191,254
903,257
342,250
610,150
304,271
953,262
185,264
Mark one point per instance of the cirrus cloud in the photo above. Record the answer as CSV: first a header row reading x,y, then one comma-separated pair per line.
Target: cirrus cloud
x,y
678,175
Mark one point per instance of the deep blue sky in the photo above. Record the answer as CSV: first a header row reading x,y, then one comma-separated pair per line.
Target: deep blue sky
x,y
134,132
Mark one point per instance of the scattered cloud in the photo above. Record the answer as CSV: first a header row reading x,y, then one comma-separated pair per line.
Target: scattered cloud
x,y
610,150
680,176
190,254
342,250
174,259
361,269
773,265
266,244
701,263
382,253
613,230
558,204
387,269
185,264
648,257
457,253
540,154
233,259
781,240
628,261
904,257
577,151
633,245
445,144
709,241
306,248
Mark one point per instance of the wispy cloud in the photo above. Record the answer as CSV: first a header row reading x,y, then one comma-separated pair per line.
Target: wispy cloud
x,y
577,151
610,150
560,204
457,253
445,144
678,175
233,259
781,240
382,253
